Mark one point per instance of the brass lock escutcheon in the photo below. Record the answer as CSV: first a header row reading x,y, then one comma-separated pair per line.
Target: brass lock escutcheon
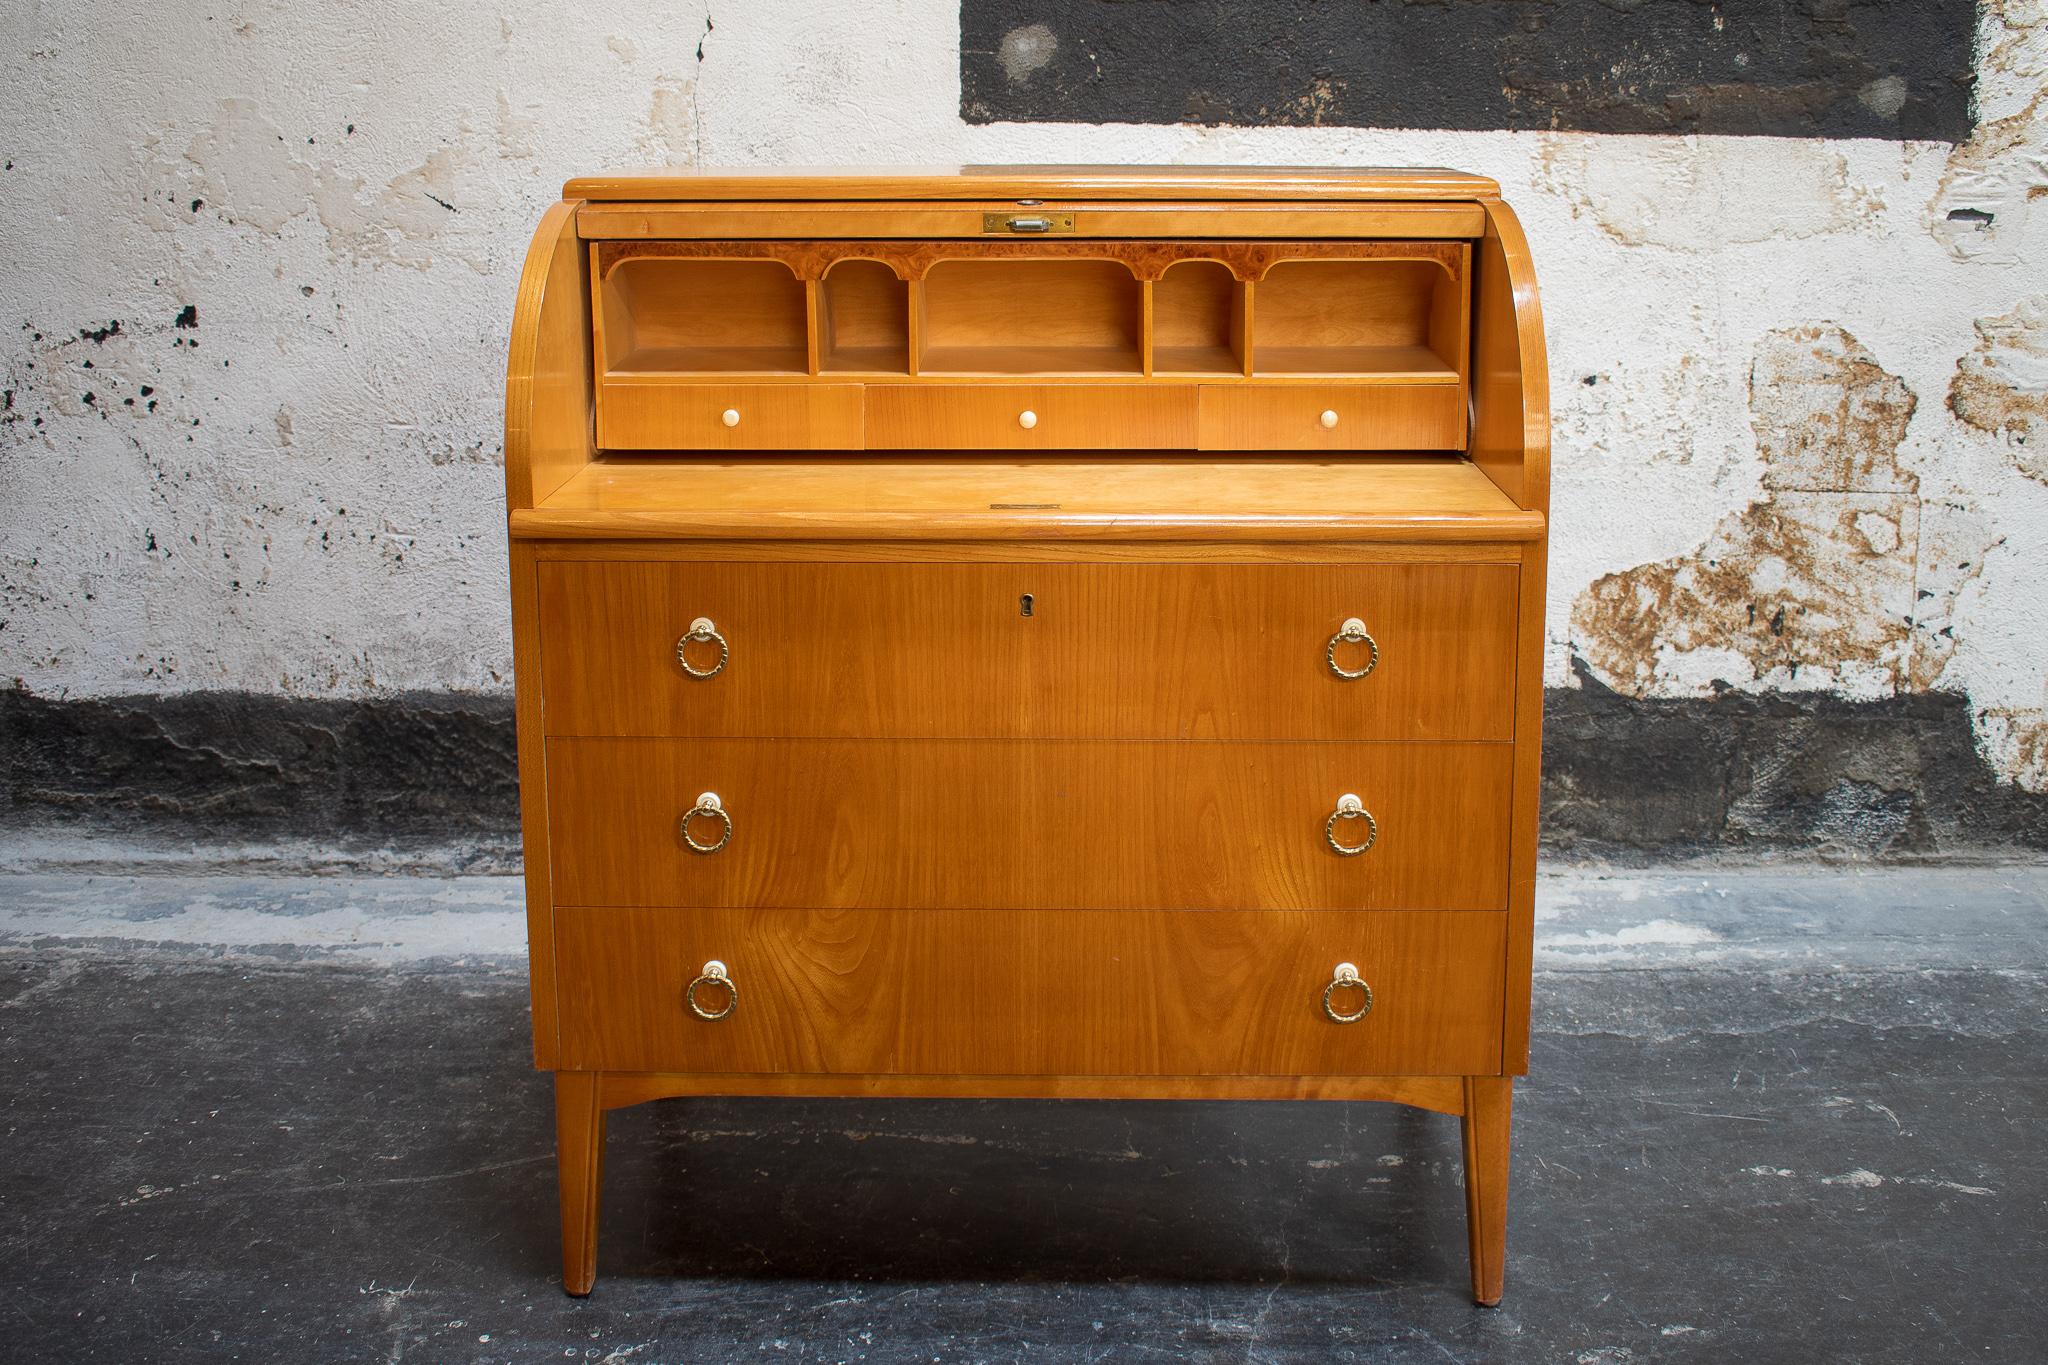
x,y
1030,222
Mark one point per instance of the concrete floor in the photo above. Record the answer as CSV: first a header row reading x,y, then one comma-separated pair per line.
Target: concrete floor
x,y
1772,1117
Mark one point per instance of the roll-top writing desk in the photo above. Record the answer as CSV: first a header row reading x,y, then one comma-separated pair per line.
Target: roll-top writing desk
x,y
1035,632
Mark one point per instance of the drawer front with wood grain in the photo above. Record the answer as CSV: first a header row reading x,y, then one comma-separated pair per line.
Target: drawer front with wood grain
x,y
1332,417
1051,992
999,651
999,825
1030,417
640,414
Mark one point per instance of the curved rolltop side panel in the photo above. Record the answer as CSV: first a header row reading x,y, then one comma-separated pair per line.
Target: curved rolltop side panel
x,y
1511,445
548,434
1510,371
548,438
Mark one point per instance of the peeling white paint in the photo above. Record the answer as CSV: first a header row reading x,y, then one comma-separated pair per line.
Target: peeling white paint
x,y
312,505
1751,190
2002,386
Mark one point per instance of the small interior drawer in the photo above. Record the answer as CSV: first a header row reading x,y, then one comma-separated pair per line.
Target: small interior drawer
x,y
1030,417
1332,416
658,415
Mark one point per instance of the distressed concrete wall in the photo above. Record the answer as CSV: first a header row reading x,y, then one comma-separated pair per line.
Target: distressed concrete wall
x,y
260,263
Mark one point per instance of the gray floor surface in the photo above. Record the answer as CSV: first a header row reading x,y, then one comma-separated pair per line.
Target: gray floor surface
x,y
1772,1116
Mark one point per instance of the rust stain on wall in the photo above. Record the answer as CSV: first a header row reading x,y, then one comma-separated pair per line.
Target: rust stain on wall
x,y
1811,586
2002,385
1828,418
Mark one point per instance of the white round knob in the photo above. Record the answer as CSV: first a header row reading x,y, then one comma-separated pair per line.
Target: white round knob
x,y
731,417
1027,419
1329,417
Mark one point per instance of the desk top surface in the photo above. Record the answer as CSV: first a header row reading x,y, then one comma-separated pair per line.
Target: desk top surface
x,y
1091,496
760,183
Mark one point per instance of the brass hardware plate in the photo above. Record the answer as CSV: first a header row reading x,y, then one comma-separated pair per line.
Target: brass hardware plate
x,y
1030,222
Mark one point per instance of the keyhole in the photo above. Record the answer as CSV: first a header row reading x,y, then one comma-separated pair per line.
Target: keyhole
x,y
1024,605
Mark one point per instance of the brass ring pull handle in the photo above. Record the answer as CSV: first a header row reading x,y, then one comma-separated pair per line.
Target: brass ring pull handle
x,y
708,805
714,975
1353,632
1346,975
701,631
1349,807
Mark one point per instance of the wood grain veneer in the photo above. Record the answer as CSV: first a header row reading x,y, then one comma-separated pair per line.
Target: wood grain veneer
x,y
1292,418
1050,992
1008,825
1057,496
1109,651
649,415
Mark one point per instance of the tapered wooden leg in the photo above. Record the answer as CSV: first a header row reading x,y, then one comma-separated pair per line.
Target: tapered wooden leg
x,y
579,1157
1488,1100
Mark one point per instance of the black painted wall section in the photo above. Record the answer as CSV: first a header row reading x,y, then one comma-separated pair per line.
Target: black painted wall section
x,y
1894,780
1897,779
1786,68
412,771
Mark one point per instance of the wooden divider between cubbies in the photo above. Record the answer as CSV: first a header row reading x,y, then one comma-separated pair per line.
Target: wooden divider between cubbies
x,y
1145,327
813,327
1245,339
914,326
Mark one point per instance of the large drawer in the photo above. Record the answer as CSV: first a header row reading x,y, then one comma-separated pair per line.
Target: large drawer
x,y
998,825
1052,992
1030,416
1107,651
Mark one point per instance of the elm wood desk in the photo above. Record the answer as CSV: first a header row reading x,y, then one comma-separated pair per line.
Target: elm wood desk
x,y
1029,632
